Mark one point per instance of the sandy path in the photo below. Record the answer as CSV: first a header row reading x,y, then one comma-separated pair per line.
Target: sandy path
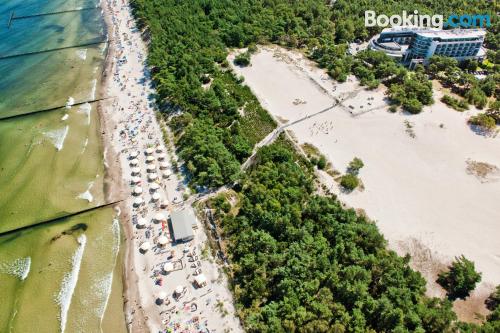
x,y
417,187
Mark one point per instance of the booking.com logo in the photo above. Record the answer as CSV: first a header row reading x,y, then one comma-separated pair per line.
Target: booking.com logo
x,y
426,21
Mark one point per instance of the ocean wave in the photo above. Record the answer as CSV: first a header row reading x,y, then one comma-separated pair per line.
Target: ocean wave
x,y
86,108
19,268
63,298
82,54
58,136
85,145
70,102
87,195
93,90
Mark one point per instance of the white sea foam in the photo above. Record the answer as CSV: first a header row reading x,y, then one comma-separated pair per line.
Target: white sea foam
x,y
87,195
82,54
70,102
58,136
93,90
85,145
19,267
63,298
86,108
66,116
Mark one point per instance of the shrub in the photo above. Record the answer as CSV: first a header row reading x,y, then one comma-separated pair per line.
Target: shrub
x,y
242,59
483,120
412,105
321,162
355,165
349,182
459,105
493,301
460,279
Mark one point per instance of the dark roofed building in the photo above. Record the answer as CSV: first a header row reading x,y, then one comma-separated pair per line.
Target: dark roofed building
x,y
182,221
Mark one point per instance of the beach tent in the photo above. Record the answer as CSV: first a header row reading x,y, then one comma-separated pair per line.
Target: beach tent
x,y
138,201
168,267
162,240
179,290
149,151
145,247
134,161
137,190
150,159
152,176
141,222
163,165
136,180
159,217
200,280
155,197
162,156
135,171
150,168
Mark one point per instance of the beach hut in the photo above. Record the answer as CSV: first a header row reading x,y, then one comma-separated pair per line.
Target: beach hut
x,y
150,168
149,151
168,267
162,156
144,247
141,222
200,281
152,176
155,197
133,154
163,165
162,240
137,190
182,223
160,217
136,180
150,159
138,201
134,162
135,171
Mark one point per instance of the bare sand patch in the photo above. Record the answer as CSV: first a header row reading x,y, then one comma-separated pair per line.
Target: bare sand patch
x,y
416,182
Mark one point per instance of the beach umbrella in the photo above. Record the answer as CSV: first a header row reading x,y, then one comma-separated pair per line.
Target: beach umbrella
x,y
155,197
152,176
150,159
167,173
179,290
136,180
163,165
134,161
134,154
135,171
162,156
150,168
168,267
159,217
149,151
159,149
138,201
154,186
141,222
162,240
145,246
164,203
200,280
137,190
162,295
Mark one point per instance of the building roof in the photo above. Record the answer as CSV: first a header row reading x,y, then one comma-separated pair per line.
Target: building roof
x,y
454,33
182,221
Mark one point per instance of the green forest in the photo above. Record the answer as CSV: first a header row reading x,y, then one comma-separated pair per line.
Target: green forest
x,y
300,262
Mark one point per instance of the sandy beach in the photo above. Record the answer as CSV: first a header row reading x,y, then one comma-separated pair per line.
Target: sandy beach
x,y
422,180
140,169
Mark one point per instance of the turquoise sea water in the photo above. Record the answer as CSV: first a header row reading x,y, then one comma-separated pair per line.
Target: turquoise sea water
x,y
51,164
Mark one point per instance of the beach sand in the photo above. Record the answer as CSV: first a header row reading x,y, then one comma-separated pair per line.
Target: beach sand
x,y
419,180
129,125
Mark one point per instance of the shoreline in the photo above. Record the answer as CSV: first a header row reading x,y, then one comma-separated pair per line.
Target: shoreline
x,y
114,187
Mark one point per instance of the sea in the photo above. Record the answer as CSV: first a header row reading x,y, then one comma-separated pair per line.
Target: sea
x,y
60,256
